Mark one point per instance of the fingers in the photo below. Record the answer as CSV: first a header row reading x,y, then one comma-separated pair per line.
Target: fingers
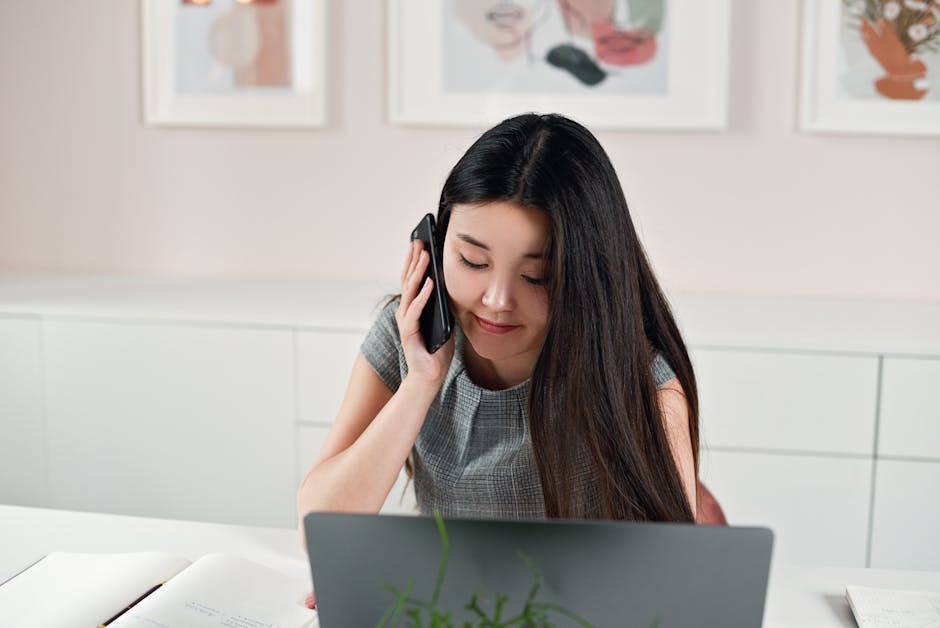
x,y
416,258
413,276
409,257
417,305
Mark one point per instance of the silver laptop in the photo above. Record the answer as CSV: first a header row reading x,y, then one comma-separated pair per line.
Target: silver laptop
x,y
379,569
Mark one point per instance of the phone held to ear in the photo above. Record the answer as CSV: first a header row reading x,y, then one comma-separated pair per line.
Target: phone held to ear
x,y
437,322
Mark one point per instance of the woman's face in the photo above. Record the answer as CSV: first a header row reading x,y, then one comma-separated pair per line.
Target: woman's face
x,y
495,275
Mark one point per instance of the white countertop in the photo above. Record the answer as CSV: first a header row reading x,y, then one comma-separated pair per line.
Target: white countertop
x,y
27,534
803,596
728,321
331,304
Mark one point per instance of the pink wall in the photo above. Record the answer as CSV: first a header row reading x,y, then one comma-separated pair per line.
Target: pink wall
x,y
759,208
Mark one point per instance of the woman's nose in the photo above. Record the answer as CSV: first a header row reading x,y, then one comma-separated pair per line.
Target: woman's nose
x,y
498,295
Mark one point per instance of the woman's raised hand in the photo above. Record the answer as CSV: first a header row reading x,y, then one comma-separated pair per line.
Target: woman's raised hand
x,y
428,367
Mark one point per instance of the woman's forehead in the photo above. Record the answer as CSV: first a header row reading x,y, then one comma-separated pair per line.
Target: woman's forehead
x,y
501,226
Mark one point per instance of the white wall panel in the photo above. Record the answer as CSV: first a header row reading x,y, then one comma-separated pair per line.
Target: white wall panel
x,y
171,421
817,506
22,446
907,516
910,408
784,401
324,362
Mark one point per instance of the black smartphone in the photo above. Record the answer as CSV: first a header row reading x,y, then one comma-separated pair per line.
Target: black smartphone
x,y
437,322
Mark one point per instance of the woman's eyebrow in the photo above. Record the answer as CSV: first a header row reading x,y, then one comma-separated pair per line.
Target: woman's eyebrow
x,y
469,239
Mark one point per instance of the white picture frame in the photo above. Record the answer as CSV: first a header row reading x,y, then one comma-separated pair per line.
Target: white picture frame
x,y
300,104
696,97
825,107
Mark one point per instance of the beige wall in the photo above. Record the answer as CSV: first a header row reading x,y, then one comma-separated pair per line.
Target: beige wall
x,y
759,208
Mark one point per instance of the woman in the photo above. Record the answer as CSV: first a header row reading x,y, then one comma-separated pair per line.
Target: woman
x,y
566,390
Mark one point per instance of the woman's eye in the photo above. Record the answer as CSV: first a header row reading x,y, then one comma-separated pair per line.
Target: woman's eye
x,y
536,282
469,264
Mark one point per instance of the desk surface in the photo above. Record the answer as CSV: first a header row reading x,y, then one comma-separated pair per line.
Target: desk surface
x,y
799,595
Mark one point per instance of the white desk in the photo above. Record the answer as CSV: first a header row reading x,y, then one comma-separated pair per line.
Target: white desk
x,y
799,596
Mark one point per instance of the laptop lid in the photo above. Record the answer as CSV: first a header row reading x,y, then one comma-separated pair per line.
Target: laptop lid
x,y
606,573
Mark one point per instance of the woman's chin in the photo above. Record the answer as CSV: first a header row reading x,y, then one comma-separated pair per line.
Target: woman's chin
x,y
492,347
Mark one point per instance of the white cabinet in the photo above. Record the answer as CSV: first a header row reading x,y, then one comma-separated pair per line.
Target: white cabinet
x,y
189,422
324,362
816,506
910,408
787,401
787,442
906,526
210,399
23,479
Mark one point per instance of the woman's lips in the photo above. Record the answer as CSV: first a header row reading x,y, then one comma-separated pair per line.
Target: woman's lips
x,y
493,328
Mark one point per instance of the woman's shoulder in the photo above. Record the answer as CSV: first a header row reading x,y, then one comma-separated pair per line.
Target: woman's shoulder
x,y
382,346
662,371
385,320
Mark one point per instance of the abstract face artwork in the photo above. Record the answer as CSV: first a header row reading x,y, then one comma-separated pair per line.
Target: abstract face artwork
x,y
503,25
589,41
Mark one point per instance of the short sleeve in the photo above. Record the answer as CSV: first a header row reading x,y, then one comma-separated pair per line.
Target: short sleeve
x,y
662,372
382,348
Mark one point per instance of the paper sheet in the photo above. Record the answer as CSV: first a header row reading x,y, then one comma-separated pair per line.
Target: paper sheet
x,y
219,590
72,589
890,608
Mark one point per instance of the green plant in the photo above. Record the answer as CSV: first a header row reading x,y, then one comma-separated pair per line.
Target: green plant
x,y
421,614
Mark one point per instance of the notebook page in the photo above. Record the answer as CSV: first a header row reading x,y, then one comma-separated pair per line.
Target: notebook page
x,y
890,608
221,590
70,589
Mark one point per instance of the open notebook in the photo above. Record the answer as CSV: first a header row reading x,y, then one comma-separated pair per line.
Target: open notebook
x,y
70,589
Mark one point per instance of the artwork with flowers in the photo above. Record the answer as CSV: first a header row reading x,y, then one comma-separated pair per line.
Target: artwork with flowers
x,y
871,66
610,63
901,37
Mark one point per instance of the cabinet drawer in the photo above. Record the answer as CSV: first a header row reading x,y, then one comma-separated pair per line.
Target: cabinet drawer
x,y
910,408
310,438
816,506
22,434
907,516
787,402
185,422
324,362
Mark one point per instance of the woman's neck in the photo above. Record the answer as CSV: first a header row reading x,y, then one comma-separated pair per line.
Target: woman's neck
x,y
499,375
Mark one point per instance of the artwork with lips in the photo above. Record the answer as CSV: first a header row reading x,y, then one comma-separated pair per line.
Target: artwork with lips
x,y
891,49
615,46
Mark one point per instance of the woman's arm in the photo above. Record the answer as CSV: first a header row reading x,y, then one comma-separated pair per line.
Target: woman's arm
x,y
375,429
367,446
676,421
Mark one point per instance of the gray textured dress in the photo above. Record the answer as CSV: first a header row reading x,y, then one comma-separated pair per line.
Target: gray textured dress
x,y
473,456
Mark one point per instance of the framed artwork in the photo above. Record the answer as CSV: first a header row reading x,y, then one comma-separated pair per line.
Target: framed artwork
x,y
254,63
616,64
871,66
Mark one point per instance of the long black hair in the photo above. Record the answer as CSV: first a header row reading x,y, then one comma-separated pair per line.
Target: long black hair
x,y
592,395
